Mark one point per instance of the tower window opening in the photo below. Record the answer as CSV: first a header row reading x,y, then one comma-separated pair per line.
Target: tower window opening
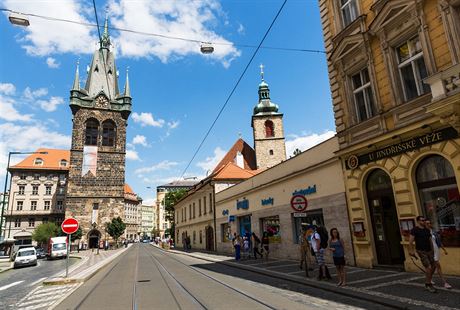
x,y
92,132
269,129
108,133
271,152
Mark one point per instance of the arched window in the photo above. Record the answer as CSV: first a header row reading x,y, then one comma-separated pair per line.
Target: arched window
x,y
63,163
92,132
108,133
269,129
439,197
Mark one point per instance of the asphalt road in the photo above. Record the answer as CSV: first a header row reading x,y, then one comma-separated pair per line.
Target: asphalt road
x,y
148,278
16,283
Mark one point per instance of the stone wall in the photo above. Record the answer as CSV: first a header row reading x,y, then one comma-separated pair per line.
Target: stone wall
x,y
263,144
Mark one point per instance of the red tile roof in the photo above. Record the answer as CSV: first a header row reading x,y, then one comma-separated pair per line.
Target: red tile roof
x,y
232,171
51,160
247,151
128,189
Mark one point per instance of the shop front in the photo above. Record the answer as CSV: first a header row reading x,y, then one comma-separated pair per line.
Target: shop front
x,y
387,188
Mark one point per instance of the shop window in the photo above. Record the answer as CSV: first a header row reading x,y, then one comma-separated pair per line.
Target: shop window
x,y
271,225
269,129
412,69
307,224
362,94
349,10
439,197
91,132
226,232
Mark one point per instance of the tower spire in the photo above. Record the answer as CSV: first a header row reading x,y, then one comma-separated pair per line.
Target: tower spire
x,y
76,82
127,92
105,40
262,71
265,105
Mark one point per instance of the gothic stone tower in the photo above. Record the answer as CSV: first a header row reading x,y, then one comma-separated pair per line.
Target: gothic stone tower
x,y
267,125
95,193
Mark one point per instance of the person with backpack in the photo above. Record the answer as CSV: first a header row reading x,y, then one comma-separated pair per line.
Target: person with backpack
x,y
256,245
319,245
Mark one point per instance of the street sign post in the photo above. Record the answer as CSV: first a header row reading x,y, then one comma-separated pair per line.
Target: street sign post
x,y
69,226
299,203
300,214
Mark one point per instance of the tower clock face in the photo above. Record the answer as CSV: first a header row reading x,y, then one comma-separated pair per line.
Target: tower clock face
x,y
102,102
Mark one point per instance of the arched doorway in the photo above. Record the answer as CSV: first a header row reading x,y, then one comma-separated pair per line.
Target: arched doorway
x,y
387,236
209,238
93,238
439,197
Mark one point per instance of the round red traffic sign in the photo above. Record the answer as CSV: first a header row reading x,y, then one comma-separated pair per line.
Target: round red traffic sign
x,y
69,226
299,203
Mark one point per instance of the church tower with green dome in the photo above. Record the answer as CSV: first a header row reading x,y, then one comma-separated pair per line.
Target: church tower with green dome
x,y
267,125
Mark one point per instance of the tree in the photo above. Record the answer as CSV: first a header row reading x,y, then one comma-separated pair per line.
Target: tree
x,y
116,228
171,199
297,152
44,232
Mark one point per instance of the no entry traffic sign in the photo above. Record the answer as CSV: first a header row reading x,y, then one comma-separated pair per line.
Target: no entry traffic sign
x,y
69,226
299,203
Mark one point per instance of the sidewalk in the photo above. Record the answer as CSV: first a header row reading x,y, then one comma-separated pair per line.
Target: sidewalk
x,y
401,290
90,263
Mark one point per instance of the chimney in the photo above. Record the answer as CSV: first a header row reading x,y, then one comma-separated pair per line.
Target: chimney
x,y
240,160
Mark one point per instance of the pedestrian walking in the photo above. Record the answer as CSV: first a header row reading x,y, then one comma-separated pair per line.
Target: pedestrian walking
x,y
338,255
246,248
319,244
265,244
256,246
237,247
437,245
421,236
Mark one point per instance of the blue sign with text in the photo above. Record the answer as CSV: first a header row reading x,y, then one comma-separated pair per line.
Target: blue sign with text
x,y
306,191
243,204
268,201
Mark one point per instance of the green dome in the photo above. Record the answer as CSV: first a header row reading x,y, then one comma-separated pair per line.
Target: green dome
x,y
265,106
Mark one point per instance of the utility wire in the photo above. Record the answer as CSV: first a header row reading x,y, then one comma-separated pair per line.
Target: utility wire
x,y
165,36
233,90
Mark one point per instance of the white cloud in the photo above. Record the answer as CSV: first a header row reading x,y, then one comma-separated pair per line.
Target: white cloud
x,y
240,29
9,113
34,94
211,162
7,88
45,37
132,155
139,139
163,165
149,201
51,62
15,137
51,104
173,124
306,141
146,119
170,18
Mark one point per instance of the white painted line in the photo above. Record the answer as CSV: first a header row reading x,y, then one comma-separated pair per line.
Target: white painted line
x,y
36,282
287,265
436,287
10,285
392,283
374,278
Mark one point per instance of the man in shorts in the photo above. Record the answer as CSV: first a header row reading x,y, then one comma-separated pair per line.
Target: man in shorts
x,y
424,247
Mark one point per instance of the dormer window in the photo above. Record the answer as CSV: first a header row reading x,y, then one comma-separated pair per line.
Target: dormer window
x,y
38,162
349,9
63,163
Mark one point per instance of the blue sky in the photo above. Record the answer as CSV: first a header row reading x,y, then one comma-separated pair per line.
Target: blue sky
x,y
176,91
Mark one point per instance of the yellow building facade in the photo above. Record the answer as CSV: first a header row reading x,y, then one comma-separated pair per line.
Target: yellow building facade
x,y
394,69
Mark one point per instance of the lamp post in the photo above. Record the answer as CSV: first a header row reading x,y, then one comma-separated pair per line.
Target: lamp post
x,y
6,183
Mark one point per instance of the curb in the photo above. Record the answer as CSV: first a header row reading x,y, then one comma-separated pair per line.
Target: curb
x,y
340,291
77,279
6,269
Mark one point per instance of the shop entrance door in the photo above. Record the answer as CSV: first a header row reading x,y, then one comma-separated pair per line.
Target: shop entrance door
x,y
387,236
245,225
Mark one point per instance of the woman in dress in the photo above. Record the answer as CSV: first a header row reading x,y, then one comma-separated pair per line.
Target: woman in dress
x,y
338,255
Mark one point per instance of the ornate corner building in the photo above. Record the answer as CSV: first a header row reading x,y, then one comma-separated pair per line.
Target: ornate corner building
x,y
394,70
95,192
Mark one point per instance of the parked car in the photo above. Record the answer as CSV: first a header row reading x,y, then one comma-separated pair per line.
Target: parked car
x,y
25,257
40,252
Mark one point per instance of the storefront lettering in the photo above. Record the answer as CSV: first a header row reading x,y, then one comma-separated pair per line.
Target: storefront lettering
x,y
268,201
408,145
225,212
243,204
306,191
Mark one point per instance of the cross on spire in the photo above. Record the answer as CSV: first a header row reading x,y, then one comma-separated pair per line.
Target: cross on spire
x,y
262,71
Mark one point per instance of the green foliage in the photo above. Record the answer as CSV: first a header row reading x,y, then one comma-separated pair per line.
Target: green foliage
x,y
116,228
78,234
171,199
155,232
44,232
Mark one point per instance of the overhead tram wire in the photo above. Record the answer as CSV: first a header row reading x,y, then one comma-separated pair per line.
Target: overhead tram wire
x,y
234,88
169,37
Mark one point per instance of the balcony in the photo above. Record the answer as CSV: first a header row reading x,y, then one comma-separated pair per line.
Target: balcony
x,y
445,90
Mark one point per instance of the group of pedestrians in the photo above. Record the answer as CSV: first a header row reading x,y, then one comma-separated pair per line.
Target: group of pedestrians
x,y
250,241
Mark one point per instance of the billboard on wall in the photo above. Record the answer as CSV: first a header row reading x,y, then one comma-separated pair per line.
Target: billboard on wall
x,y
89,160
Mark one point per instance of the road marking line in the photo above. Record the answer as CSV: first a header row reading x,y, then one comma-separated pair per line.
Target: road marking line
x,y
374,278
392,283
437,287
287,265
10,285
36,282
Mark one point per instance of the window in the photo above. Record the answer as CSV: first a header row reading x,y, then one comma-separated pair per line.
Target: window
x,y
63,163
45,220
349,11
31,222
271,225
226,232
108,133
210,202
439,197
48,190
412,69
193,210
23,176
49,177
204,205
47,204
92,132
21,190
189,211
194,236
38,162
61,190
19,205
35,190
199,207
59,205
36,177
201,236
362,93
270,152
17,223
33,206
269,129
